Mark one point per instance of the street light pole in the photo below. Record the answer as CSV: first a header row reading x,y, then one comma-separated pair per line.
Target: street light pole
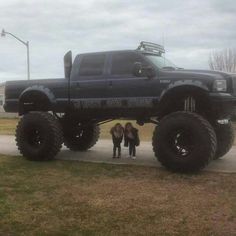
x,y
3,34
28,60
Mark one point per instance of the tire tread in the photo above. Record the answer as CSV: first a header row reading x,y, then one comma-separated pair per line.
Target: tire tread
x,y
204,123
55,128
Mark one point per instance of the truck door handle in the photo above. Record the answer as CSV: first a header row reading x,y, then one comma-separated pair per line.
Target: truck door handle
x,y
77,85
110,84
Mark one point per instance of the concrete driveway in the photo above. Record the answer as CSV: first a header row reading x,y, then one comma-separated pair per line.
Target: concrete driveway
x,y
102,152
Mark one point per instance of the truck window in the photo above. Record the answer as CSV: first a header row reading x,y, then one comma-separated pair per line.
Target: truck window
x,y
92,65
122,63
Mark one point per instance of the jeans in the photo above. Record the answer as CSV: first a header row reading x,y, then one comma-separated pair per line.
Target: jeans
x,y
116,147
132,148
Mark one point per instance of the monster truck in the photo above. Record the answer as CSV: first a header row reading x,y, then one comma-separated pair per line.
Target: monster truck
x,y
191,108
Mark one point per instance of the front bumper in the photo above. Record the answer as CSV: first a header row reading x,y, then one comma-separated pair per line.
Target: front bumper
x,y
223,104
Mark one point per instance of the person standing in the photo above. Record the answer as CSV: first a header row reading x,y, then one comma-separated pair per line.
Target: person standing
x,y
131,139
117,133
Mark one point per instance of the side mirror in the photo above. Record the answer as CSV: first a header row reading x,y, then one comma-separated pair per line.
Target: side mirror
x,y
150,72
68,64
137,69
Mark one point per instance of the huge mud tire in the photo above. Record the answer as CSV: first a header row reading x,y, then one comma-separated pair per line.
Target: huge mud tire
x,y
184,142
225,139
79,136
39,136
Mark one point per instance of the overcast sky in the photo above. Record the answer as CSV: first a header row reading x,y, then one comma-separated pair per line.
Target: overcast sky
x,y
190,29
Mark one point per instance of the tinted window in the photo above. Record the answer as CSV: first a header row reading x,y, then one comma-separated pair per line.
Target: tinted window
x,y
122,63
92,65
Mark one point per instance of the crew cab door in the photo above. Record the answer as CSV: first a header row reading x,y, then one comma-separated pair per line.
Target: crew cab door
x,y
121,81
88,81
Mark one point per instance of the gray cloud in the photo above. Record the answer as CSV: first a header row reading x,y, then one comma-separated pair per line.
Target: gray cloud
x,y
191,29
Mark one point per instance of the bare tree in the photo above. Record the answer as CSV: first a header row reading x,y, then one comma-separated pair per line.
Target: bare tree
x,y
224,60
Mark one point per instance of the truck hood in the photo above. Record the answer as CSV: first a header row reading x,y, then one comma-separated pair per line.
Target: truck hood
x,y
200,74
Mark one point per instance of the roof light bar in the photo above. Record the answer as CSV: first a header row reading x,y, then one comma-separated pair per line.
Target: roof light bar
x,y
151,47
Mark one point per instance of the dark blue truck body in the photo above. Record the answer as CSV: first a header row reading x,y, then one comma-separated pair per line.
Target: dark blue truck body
x,y
191,108
102,85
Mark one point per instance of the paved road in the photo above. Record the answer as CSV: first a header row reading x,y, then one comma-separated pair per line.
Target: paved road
x,y
101,152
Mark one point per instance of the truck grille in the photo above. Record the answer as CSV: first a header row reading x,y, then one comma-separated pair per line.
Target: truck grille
x,y
234,84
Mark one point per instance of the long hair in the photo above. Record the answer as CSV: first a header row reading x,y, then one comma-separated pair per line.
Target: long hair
x,y
128,124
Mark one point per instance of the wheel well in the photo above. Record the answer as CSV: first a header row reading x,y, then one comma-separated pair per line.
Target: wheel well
x,y
34,101
173,100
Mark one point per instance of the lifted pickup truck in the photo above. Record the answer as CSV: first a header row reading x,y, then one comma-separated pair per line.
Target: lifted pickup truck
x,y
192,108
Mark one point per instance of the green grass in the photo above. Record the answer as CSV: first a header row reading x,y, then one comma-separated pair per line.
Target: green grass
x,y
77,198
8,126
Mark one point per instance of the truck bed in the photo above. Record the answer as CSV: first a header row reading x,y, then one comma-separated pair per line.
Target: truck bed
x,y
14,89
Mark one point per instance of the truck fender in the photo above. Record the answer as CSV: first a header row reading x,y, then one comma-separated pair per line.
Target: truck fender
x,y
183,85
32,95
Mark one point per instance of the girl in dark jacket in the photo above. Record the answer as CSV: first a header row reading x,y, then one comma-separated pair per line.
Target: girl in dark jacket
x,y
131,139
117,133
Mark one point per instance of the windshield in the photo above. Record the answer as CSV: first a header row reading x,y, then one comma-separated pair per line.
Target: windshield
x,y
160,61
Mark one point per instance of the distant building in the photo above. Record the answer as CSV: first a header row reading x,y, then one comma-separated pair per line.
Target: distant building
x,y
2,95
2,89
